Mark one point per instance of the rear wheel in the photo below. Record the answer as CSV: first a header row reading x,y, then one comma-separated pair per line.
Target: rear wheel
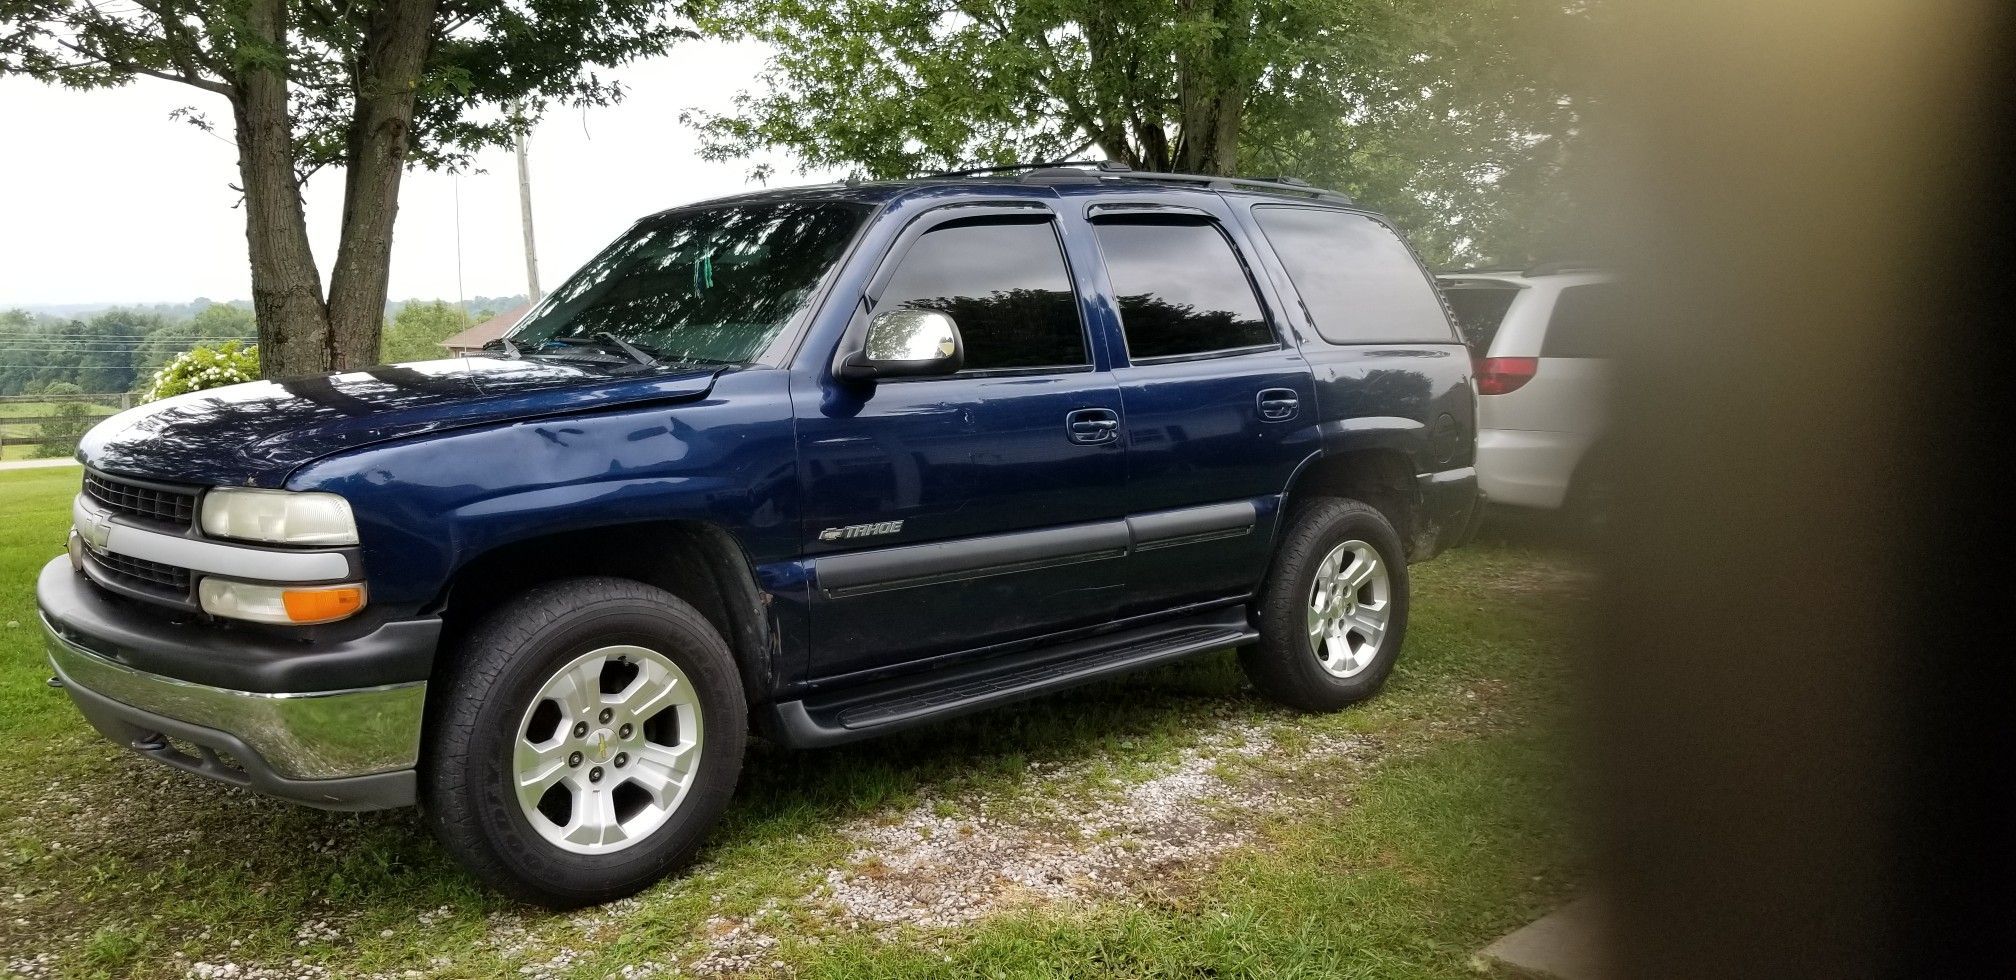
x,y
1591,497
1333,613
587,737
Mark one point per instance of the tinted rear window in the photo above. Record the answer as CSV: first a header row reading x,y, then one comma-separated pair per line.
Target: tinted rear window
x,y
1479,312
1358,281
1182,290
1585,322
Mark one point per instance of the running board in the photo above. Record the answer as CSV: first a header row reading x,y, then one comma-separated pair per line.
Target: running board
x,y
910,701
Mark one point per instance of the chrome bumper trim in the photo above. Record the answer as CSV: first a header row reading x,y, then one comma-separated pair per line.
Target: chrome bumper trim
x,y
320,735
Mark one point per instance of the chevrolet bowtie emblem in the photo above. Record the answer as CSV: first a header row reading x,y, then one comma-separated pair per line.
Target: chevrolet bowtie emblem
x,y
96,532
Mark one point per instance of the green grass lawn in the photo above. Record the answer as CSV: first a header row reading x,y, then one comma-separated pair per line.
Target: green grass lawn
x,y
1439,831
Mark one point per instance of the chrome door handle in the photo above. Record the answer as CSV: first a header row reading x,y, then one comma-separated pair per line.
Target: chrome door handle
x,y
1091,426
1277,404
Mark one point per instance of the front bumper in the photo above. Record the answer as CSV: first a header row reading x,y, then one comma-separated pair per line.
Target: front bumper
x,y
351,748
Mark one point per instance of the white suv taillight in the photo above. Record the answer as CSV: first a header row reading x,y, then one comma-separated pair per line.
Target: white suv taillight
x,y
1504,375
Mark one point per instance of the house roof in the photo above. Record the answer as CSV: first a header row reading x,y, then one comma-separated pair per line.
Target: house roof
x,y
487,331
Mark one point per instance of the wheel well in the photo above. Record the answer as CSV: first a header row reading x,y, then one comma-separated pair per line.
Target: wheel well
x,y
1382,478
698,562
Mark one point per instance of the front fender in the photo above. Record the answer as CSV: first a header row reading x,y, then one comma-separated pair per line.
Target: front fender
x,y
427,506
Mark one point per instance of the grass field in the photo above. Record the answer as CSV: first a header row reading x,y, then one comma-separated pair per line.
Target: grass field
x,y
20,430
1390,840
33,410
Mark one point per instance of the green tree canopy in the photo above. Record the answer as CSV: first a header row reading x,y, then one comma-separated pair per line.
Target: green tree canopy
x,y
417,332
367,85
214,323
1433,110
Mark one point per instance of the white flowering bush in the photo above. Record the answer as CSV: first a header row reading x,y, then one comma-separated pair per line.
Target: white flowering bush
x,y
205,367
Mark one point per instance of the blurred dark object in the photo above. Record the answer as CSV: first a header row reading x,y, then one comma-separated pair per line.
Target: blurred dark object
x,y
1802,672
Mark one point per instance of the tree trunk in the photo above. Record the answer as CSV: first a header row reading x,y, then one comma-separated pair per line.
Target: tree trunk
x,y
1211,133
389,67
286,287
1211,91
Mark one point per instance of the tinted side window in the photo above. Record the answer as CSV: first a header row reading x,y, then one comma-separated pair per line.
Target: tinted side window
x,y
1006,287
1357,279
1182,290
1585,323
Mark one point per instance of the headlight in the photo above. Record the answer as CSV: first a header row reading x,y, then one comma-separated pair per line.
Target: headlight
x,y
278,516
299,605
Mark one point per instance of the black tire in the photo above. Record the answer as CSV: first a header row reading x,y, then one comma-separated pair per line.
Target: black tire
x,y
1283,665
1591,498
483,695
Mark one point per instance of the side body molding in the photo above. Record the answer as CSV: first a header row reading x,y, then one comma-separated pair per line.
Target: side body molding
x,y
859,572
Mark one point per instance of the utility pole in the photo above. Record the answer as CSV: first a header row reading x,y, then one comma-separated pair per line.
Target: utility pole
x,y
461,295
525,209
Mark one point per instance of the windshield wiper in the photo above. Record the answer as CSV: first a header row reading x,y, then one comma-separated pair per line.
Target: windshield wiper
x,y
636,353
510,349
605,340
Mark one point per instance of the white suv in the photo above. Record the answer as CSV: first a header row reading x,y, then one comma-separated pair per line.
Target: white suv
x,y
1542,339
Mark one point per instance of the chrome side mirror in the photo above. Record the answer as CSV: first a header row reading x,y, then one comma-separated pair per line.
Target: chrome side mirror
x,y
907,343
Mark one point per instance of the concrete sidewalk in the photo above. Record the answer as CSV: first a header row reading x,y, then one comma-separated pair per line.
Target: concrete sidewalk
x,y
34,464
1567,944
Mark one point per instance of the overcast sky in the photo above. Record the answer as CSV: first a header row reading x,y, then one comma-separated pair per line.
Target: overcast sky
x,y
103,199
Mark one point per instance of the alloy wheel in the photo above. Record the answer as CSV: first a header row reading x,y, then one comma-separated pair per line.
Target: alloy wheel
x,y
608,749
1350,603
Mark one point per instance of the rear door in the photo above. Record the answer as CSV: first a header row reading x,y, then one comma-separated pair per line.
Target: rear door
x,y
1392,376
949,514
1220,407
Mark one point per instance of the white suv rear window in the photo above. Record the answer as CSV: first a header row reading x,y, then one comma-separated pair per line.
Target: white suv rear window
x,y
1480,310
1585,323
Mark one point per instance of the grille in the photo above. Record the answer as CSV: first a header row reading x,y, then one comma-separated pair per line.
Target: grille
x,y
141,572
170,506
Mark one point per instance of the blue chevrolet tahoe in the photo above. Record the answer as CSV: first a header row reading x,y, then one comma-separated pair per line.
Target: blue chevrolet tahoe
x,y
823,463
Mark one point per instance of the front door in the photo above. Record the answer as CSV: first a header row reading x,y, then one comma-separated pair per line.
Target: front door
x,y
951,513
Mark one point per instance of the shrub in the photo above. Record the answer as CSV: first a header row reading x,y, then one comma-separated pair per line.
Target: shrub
x,y
68,423
205,367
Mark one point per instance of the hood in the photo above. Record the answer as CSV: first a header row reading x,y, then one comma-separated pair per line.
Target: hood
x,y
255,434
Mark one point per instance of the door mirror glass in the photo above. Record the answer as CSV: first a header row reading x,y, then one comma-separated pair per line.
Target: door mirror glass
x,y
908,343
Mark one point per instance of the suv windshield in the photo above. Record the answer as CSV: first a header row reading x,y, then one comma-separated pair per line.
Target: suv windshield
x,y
713,285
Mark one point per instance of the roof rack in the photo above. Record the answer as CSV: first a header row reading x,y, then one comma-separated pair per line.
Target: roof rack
x,y
1552,267
1518,270
1559,266
1009,168
1055,172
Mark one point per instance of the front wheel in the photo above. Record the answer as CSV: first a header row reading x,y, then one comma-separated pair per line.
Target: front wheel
x,y
587,737
1333,612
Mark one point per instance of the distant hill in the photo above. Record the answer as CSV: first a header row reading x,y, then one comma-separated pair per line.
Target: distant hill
x,y
168,311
